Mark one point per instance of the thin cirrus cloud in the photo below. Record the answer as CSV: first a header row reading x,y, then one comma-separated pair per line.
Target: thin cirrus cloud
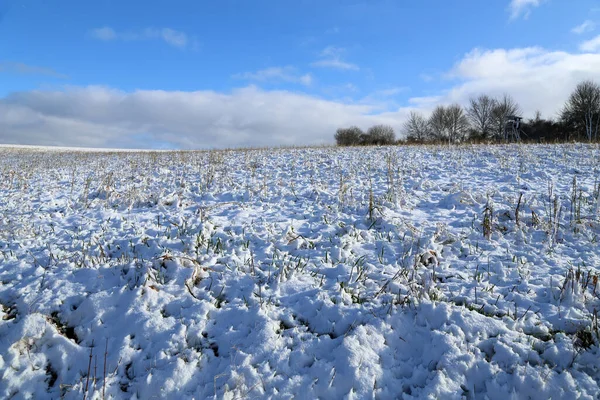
x,y
522,8
331,57
287,74
105,33
25,69
586,26
170,36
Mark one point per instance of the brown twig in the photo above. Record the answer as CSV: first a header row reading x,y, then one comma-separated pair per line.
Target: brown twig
x,y
89,372
517,210
104,377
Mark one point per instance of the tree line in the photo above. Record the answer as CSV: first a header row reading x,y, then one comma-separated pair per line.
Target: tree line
x,y
486,118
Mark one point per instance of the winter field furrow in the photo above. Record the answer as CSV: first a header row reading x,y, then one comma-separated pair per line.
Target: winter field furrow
x,y
466,272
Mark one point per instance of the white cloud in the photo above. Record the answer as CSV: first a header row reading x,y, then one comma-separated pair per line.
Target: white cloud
x,y
103,117
522,7
170,36
426,102
389,92
538,78
591,46
334,63
586,26
277,74
331,57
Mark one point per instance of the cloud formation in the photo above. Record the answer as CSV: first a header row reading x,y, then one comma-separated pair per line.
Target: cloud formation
x,y
522,8
169,36
277,74
331,57
584,27
538,78
25,69
591,46
103,117
105,33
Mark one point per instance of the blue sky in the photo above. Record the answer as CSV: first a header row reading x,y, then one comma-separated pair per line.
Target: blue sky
x,y
201,74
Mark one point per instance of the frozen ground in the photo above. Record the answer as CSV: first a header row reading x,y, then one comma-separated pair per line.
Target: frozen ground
x,y
405,272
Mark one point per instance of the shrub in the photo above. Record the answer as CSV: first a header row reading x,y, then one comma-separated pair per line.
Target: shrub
x,y
380,135
349,136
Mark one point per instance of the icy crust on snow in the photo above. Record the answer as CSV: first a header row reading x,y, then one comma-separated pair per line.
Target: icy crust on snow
x,y
400,272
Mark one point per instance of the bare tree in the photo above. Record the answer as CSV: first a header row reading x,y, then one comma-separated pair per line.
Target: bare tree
x,y
448,123
457,123
416,128
503,108
348,136
480,114
582,110
437,123
381,134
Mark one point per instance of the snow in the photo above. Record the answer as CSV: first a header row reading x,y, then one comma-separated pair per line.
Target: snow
x,y
300,273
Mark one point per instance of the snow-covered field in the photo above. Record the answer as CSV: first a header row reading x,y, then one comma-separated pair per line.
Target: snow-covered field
x,y
393,272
